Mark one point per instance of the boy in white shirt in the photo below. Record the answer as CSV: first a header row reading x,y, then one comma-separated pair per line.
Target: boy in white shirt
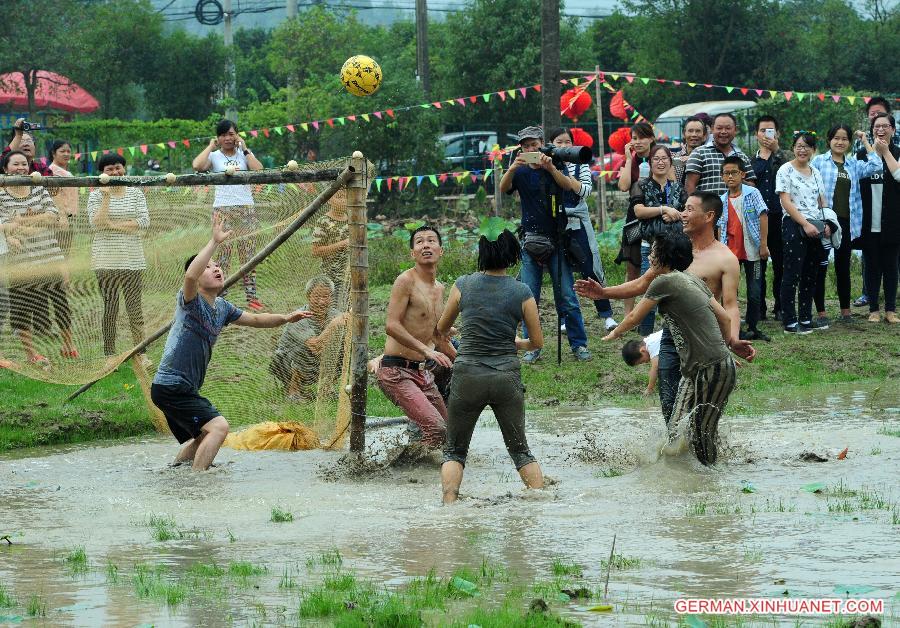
x,y
647,350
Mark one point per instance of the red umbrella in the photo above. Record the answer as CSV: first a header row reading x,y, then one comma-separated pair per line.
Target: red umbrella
x,y
53,91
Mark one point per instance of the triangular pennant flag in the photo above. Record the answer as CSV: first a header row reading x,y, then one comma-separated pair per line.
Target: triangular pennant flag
x,y
615,77
171,143
243,134
330,122
437,105
365,117
474,178
187,143
315,125
821,97
608,86
473,99
661,81
502,96
94,155
772,93
461,101
537,88
304,126
565,81
512,93
290,127
644,80
744,91
486,97
788,96
351,118
707,85
419,179
279,130
443,177
800,96
378,183
575,81
692,85
162,146
77,156
266,132
132,150
389,182
866,99
852,99
377,114
433,180
487,173
144,148
390,112
729,89
425,106
523,90
119,151
254,133
450,102
758,92
676,82
341,120
836,97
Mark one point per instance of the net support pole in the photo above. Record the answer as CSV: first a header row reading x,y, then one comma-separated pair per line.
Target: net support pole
x,y
357,190
310,211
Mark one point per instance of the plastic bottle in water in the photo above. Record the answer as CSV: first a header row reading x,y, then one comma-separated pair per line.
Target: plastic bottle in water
x,y
644,170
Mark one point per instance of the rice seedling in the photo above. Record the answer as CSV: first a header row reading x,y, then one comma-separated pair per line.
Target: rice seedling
x,y
37,606
151,583
621,562
280,516
77,561
561,568
696,509
112,573
6,598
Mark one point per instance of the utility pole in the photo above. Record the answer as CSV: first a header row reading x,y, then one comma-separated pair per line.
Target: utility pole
x,y
422,46
291,9
601,148
230,78
550,88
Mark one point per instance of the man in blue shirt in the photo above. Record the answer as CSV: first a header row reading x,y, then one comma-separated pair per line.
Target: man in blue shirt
x,y
199,319
534,180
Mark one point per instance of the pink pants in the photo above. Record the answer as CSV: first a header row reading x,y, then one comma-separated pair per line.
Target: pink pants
x,y
414,392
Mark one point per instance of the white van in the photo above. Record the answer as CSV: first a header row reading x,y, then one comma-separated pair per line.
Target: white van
x,y
668,124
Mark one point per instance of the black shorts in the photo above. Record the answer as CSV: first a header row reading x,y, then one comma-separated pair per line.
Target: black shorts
x,y
186,411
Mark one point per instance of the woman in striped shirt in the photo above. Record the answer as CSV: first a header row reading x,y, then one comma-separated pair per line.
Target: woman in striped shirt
x,y
118,215
36,263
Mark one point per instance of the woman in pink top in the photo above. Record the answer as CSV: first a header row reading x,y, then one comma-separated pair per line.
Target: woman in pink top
x,y
67,198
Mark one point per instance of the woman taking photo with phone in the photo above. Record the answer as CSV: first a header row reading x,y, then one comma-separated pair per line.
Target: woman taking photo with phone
x,y
841,173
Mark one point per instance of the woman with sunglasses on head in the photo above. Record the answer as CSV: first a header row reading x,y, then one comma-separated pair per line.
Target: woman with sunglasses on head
x,y
842,172
881,221
801,190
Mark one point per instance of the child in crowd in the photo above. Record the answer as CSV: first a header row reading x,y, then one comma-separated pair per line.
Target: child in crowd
x,y
636,352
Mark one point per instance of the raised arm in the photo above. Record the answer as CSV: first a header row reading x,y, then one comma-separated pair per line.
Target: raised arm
x,y
201,261
636,287
201,162
633,318
252,162
265,321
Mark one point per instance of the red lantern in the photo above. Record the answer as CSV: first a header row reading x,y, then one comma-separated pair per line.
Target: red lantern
x,y
580,137
617,106
574,102
619,138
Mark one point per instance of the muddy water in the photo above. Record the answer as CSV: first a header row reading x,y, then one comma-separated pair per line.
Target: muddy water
x,y
694,530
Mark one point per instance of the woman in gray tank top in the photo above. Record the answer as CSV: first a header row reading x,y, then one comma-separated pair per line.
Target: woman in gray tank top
x,y
486,371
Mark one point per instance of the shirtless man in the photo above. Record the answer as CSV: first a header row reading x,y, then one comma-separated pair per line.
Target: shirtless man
x,y
415,306
713,262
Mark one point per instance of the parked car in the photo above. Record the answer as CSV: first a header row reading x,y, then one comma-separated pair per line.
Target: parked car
x,y
469,150
669,123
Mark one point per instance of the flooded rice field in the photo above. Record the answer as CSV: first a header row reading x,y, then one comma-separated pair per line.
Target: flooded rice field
x,y
109,534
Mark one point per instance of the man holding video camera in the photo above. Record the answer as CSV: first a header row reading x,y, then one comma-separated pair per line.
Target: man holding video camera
x,y
536,178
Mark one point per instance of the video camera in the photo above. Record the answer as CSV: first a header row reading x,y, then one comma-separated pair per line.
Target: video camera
x,y
31,126
570,154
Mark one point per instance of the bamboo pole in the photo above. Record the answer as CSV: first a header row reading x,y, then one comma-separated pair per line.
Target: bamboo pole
x,y
359,301
252,263
601,183
218,178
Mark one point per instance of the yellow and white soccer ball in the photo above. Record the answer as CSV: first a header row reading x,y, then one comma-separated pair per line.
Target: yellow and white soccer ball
x,y
361,75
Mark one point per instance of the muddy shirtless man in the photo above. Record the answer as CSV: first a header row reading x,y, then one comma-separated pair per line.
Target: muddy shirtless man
x,y
713,262
416,303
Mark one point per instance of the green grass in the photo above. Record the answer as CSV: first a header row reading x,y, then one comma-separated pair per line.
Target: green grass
x,y
331,558
112,573
163,528
787,368
561,567
37,606
77,561
621,562
280,516
152,582
6,598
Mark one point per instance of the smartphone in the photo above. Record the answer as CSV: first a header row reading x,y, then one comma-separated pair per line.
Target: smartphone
x,y
770,133
531,157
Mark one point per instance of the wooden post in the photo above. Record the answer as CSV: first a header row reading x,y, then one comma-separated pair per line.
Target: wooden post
x,y
550,86
601,183
498,195
357,188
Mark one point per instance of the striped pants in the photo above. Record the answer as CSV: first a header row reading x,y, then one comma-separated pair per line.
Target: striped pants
x,y
702,399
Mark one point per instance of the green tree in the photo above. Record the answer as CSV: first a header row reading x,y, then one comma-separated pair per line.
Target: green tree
x,y
256,81
38,37
187,76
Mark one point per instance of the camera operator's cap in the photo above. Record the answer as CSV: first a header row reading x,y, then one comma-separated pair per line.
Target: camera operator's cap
x,y
530,133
